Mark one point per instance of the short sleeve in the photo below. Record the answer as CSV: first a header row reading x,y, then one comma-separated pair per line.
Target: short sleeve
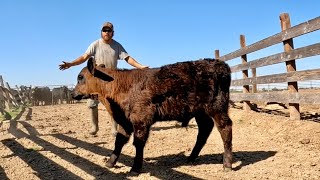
x,y
91,49
122,52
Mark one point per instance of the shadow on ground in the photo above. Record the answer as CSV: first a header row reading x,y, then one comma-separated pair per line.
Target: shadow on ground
x,y
160,167
307,116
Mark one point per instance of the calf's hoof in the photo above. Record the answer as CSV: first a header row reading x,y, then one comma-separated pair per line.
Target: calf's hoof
x,y
114,133
191,159
112,161
136,168
110,164
93,131
135,171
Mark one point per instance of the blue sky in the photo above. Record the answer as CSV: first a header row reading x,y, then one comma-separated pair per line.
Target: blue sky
x,y
36,36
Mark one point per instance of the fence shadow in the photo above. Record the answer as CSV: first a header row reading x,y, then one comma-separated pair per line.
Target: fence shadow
x,y
310,117
47,169
44,167
41,164
3,175
176,126
273,112
175,160
159,167
304,115
124,159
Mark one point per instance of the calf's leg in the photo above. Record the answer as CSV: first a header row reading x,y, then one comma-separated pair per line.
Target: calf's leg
x,y
224,125
141,134
114,127
121,139
205,126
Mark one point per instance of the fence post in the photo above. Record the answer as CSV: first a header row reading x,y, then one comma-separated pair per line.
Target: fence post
x,y
216,54
291,66
246,89
254,86
8,86
1,81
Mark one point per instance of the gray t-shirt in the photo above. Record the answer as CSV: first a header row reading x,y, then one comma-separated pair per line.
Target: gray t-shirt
x,y
107,54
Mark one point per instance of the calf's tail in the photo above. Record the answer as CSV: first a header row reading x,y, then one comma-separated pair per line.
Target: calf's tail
x,y
222,84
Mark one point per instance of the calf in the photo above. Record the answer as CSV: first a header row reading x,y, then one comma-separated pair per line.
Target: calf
x,y
181,91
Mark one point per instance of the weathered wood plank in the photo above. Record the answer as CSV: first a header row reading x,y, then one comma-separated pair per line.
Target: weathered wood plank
x,y
288,46
304,52
313,74
295,31
1,81
282,97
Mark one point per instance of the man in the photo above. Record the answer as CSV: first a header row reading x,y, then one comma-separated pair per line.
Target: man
x,y
106,51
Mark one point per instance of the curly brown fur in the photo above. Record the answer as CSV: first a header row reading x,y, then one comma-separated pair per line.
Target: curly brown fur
x,y
180,91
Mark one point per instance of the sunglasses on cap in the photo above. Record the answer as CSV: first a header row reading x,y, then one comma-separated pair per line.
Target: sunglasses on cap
x,y
107,30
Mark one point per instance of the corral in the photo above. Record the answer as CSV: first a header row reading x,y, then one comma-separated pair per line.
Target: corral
x,y
52,142
56,144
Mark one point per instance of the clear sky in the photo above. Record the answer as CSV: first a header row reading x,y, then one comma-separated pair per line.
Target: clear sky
x,y
36,36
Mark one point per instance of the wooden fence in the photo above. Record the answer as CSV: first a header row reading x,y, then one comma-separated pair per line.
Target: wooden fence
x,y
288,57
33,95
7,99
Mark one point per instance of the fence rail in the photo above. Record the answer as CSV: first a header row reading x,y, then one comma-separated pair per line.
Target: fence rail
x,y
283,97
301,29
278,78
292,96
300,53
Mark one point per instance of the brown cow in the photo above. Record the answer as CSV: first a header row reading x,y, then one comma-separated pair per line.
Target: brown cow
x,y
181,91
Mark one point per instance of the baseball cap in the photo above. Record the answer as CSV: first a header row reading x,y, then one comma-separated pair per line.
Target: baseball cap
x,y
107,24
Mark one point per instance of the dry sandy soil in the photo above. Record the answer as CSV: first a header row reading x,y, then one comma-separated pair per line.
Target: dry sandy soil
x,y
52,142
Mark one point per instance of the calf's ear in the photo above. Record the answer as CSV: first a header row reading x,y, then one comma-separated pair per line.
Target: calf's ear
x,y
95,72
102,75
91,65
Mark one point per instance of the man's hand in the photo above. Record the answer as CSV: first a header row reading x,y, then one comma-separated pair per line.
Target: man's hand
x,y
64,66
143,67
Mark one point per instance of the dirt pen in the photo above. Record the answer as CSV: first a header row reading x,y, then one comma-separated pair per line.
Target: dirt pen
x,y
53,142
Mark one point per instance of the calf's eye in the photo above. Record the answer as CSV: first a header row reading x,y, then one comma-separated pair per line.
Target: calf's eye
x,y
80,77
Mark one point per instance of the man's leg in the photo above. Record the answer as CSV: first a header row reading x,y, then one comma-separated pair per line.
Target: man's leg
x,y
93,108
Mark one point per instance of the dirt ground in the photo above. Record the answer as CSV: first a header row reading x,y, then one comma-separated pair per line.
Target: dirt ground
x,y
52,142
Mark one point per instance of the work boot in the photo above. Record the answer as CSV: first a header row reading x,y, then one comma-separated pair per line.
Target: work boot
x,y
94,120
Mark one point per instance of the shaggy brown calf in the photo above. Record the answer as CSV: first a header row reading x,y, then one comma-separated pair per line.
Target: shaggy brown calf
x,y
181,91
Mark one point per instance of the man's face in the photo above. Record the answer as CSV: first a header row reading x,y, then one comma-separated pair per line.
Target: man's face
x,y
106,34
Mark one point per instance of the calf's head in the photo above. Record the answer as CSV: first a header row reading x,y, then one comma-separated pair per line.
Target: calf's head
x,y
89,81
